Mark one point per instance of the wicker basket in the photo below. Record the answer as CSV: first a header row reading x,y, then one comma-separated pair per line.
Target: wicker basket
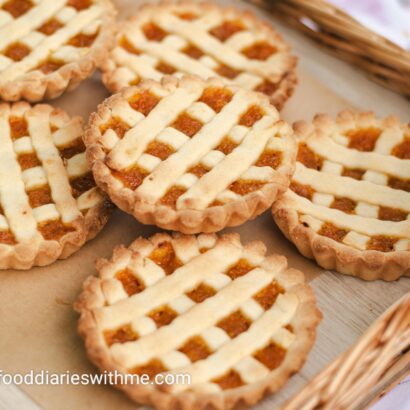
x,y
379,359
384,61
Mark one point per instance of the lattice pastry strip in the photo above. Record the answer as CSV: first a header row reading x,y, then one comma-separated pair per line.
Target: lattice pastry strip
x,y
208,307
352,185
49,204
49,45
204,40
200,155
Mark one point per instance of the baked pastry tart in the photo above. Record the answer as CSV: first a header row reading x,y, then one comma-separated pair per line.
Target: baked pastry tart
x,y
348,204
202,39
49,46
190,155
49,203
236,323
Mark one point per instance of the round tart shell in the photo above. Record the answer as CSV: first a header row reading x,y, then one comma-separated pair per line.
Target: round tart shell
x,y
328,253
33,88
24,255
187,221
304,324
285,85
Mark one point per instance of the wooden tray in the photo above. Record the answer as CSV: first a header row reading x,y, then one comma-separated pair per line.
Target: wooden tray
x,y
38,324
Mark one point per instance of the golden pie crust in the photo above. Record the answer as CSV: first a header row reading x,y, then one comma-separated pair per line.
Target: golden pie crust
x,y
239,323
190,155
49,203
50,46
203,39
348,205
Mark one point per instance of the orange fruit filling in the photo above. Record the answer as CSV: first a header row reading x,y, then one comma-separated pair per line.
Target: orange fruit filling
x,y
402,150
241,268
18,127
39,196
144,102
165,68
193,52
259,51
117,125
234,324
171,197
344,204
242,187
198,170
302,190
216,98
392,214
201,292
397,183
164,256
153,33
159,150
227,72
196,349
75,147
353,173
269,159
50,27
271,356
151,369
49,66
267,87
131,178
17,7
226,146
130,283
363,139
253,114
126,45
381,243
227,29
6,237
230,380
186,124
308,158
79,4
27,161
82,40
163,316
332,232
266,297
54,230
17,51
122,335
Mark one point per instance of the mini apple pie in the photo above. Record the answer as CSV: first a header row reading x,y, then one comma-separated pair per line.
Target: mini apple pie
x,y
190,155
49,204
234,322
348,205
202,39
49,46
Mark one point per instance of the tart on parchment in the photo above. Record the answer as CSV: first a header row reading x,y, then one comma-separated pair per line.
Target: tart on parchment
x,y
49,46
237,322
49,203
348,205
202,39
190,155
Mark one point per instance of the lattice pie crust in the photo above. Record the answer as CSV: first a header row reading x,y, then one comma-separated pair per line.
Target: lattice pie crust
x,y
238,322
49,46
190,155
49,204
201,39
348,205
